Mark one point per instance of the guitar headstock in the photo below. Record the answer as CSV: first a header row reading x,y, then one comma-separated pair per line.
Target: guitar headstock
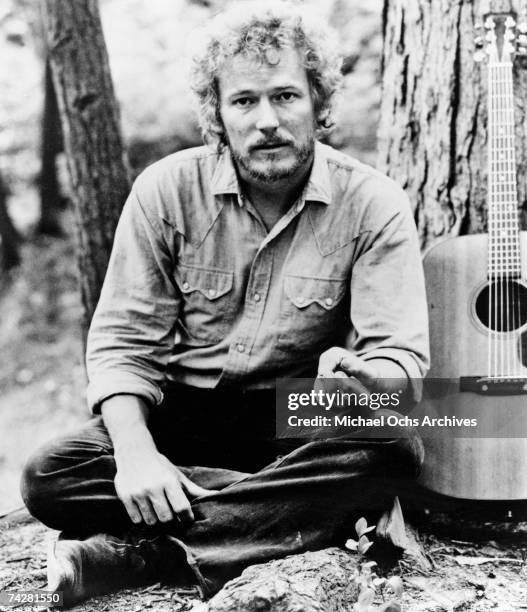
x,y
500,38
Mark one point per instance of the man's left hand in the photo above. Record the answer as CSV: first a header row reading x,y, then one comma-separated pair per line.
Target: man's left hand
x,y
337,362
376,374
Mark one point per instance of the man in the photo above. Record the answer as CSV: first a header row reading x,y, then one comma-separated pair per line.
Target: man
x,y
267,256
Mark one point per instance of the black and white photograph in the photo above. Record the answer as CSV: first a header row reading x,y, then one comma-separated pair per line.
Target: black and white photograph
x,y
263,305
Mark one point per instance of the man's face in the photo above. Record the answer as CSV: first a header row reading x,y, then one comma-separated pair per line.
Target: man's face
x,y
268,115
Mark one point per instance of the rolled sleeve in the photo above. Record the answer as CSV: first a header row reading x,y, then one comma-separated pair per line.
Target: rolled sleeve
x,y
388,305
132,331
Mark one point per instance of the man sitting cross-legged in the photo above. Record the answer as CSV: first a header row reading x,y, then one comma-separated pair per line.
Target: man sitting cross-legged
x,y
262,255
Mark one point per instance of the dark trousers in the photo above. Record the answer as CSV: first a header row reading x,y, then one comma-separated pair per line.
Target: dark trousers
x,y
276,497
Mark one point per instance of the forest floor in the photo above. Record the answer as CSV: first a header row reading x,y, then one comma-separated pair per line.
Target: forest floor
x,y
486,571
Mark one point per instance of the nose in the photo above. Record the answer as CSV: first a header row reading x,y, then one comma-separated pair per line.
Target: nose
x,y
267,117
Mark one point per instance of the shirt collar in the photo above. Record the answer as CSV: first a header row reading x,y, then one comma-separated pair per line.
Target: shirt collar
x,y
318,187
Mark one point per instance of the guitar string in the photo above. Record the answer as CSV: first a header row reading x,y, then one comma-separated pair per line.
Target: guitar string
x,y
502,253
492,289
501,301
489,182
503,231
506,78
491,223
499,190
497,171
510,228
504,277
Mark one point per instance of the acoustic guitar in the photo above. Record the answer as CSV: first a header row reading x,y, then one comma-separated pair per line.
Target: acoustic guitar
x,y
477,296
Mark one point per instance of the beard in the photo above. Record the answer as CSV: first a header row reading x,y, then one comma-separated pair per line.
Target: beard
x,y
274,168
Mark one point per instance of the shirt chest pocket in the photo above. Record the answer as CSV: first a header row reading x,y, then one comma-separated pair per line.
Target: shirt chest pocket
x,y
313,313
207,310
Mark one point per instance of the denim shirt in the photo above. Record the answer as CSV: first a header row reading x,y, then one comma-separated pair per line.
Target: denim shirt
x,y
198,291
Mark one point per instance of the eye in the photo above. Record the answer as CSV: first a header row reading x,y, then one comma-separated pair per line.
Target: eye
x,y
243,102
286,96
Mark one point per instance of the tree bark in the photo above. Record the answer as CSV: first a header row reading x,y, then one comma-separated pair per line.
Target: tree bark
x,y
51,200
432,132
312,582
92,138
8,235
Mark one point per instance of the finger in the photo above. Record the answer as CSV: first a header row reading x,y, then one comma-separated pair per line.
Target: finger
x,y
355,366
329,361
132,510
179,503
193,489
147,512
162,507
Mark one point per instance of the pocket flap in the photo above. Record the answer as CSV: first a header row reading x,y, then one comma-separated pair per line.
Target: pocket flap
x,y
303,291
213,284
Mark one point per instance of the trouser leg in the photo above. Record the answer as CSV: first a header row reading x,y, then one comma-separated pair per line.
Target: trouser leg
x,y
308,500
68,484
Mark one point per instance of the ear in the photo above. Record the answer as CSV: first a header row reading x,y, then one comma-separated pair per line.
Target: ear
x,y
216,124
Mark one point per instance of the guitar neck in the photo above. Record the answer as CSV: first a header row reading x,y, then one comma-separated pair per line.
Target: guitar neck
x,y
503,226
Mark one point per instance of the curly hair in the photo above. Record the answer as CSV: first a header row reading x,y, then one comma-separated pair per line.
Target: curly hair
x,y
258,30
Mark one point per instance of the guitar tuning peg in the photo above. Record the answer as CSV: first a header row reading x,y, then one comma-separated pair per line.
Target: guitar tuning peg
x,y
479,56
522,27
522,40
478,25
479,42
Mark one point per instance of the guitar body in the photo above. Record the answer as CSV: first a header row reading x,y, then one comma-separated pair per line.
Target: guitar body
x,y
474,468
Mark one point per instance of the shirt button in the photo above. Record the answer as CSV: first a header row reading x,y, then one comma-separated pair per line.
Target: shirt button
x,y
329,301
186,285
241,348
257,297
211,293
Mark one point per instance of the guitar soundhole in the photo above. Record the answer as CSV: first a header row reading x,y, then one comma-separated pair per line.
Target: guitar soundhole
x,y
502,305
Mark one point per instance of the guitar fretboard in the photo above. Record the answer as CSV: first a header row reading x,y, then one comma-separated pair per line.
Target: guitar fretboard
x,y
504,238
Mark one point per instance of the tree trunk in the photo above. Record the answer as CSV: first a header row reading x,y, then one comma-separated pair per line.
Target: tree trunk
x,y
8,235
312,582
92,138
432,133
51,200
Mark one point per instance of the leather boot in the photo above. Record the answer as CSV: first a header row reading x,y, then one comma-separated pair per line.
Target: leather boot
x,y
102,563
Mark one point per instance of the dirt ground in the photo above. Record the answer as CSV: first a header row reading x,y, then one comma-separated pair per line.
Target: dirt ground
x,y
486,571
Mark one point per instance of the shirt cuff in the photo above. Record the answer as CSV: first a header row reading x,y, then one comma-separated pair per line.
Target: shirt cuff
x,y
407,362
117,382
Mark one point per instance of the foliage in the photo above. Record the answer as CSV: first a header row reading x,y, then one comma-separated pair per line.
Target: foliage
x,y
369,582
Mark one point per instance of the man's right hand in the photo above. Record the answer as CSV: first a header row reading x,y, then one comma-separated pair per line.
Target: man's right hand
x,y
151,488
